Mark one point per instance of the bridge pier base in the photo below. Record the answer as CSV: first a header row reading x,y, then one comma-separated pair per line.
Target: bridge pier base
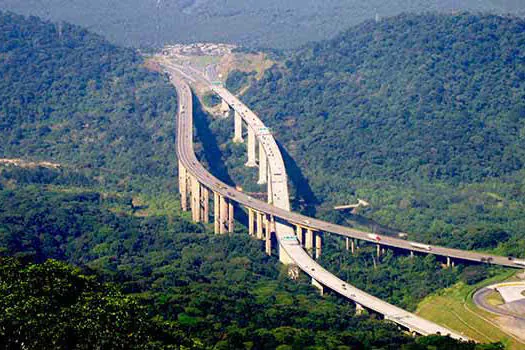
x,y
216,213
350,245
284,258
412,254
195,199
378,250
251,148
309,241
359,309
270,224
238,128
293,271
318,285
223,215
318,244
251,222
205,193
263,166
183,186
267,223
260,218
231,221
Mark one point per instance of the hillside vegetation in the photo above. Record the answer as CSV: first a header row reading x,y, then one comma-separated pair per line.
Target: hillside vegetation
x,y
263,23
146,277
151,279
69,96
421,115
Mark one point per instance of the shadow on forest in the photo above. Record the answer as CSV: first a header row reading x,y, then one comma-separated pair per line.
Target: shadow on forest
x,y
212,153
305,198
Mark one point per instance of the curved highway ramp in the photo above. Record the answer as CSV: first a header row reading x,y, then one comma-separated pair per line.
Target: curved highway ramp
x,y
197,184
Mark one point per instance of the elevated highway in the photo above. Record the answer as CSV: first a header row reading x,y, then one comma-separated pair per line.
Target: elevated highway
x,y
278,190
272,218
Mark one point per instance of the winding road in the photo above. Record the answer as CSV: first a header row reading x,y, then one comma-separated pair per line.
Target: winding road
x,y
281,208
295,253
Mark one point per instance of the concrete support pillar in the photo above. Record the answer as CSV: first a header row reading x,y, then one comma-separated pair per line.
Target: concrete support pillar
x,y
251,148
412,254
269,224
231,219
309,241
378,246
359,309
263,166
318,244
260,218
223,215
205,205
450,262
299,231
350,245
238,128
195,199
284,258
251,222
318,285
216,213
183,186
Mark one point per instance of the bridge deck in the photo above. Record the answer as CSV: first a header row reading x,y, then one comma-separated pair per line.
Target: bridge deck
x,y
294,251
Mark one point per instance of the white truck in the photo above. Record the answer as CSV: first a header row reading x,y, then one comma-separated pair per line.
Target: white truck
x,y
421,246
374,237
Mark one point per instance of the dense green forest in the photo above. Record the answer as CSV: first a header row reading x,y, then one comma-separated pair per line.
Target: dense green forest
x,y
421,115
172,288
262,23
69,96
95,252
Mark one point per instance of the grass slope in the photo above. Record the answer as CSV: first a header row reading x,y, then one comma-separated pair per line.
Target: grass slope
x,y
453,307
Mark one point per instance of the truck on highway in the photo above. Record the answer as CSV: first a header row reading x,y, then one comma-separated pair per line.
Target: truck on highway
x,y
421,246
374,237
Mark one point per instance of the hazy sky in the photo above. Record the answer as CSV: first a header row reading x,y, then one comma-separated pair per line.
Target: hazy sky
x,y
268,23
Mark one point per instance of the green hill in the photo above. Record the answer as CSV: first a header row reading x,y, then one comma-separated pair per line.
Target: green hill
x,y
69,96
422,115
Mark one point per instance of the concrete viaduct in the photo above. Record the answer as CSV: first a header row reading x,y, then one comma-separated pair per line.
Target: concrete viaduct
x,y
299,237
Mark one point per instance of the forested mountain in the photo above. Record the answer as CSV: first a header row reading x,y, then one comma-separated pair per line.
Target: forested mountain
x,y
261,23
69,96
92,134
422,115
